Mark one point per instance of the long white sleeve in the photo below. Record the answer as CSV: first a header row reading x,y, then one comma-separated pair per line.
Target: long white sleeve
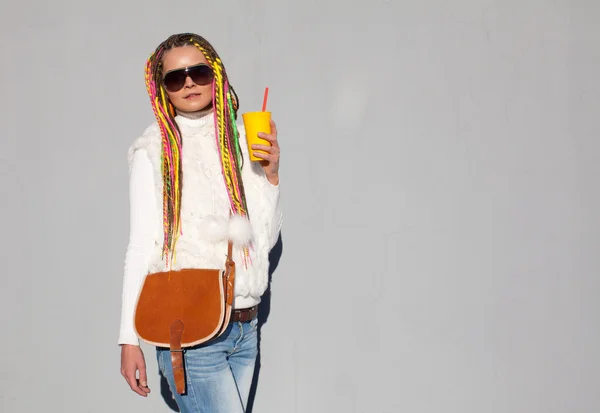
x,y
270,212
142,211
272,193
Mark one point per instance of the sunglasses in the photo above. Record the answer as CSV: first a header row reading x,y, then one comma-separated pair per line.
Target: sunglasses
x,y
201,75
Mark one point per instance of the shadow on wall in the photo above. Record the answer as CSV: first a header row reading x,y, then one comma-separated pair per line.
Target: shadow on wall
x,y
264,309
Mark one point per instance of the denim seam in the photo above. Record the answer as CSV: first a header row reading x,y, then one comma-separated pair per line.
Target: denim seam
x,y
190,387
238,341
159,360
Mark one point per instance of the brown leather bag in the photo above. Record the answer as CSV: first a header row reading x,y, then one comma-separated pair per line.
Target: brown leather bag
x,y
179,309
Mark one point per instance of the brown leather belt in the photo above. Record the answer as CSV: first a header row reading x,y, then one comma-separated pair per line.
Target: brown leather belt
x,y
244,314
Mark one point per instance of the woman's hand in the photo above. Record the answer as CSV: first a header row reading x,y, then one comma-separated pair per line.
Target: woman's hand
x,y
270,159
132,361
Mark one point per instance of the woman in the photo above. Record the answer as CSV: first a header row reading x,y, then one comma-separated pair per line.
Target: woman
x,y
213,198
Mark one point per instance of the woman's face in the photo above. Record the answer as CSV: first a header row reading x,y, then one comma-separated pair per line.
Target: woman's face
x,y
187,95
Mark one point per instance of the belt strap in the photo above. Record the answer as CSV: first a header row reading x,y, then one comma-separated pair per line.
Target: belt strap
x,y
177,355
244,315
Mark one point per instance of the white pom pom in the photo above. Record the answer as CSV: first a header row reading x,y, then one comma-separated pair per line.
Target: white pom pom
x,y
240,231
213,228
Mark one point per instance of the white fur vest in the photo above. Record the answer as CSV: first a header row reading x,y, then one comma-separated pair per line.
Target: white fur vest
x,y
206,225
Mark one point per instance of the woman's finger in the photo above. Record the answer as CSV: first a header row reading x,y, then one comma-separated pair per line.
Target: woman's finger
x,y
266,156
266,148
268,137
143,382
132,381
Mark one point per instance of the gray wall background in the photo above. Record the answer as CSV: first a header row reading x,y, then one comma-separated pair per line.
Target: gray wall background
x,y
440,187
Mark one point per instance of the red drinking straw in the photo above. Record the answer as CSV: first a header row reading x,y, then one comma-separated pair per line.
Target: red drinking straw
x,y
264,107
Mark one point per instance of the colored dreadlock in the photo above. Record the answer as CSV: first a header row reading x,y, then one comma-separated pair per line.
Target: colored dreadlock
x,y
225,107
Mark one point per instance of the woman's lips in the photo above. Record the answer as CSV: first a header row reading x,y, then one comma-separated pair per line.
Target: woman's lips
x,y
192,96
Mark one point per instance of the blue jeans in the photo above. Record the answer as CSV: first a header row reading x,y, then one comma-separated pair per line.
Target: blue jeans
x,y
218,374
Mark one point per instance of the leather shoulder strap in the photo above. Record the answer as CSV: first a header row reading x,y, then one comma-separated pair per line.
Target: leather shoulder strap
x,y
229,251
230,244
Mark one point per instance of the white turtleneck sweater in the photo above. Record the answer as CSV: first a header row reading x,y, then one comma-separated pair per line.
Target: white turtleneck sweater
x,y
204,212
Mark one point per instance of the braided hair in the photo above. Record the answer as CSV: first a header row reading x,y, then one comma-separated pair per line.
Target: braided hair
x,y
225,104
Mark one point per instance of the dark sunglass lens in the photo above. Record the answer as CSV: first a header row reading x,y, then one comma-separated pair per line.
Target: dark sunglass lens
x,y
174,81
201,75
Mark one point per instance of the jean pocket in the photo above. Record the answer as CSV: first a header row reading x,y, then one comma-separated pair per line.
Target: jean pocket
x,y
254,323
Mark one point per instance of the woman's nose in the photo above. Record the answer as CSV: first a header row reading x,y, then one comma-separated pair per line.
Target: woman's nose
x,y
189,82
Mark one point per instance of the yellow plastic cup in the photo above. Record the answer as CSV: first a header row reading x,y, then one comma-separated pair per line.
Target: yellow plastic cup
x,y
255,122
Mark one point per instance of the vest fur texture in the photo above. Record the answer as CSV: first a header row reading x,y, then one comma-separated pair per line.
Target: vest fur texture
x,y
205,219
